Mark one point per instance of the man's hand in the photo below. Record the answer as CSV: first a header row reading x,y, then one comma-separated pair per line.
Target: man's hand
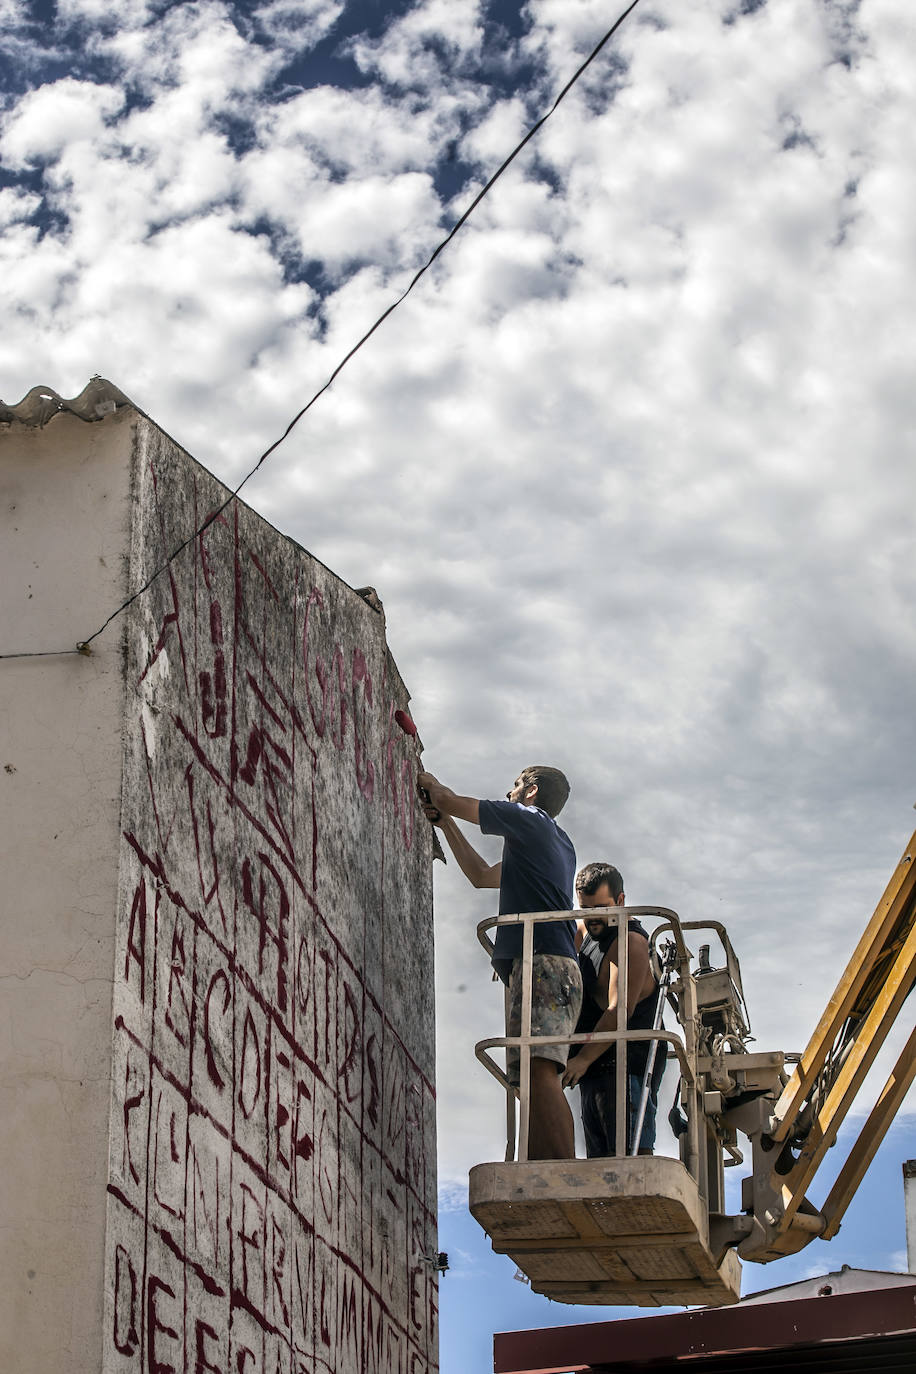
x,y
432,813
444,800
432,792
574,1070
441,806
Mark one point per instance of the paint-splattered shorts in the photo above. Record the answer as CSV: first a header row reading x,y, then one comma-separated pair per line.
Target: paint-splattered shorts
x,y
556,1000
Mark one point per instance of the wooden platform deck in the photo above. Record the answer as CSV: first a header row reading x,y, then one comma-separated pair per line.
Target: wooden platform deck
x,y
622,1232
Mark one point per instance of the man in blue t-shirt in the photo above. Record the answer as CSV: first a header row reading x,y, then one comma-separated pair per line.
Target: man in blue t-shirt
x,y
535,874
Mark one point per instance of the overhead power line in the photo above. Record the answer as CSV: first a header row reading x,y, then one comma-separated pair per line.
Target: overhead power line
x,y
83,645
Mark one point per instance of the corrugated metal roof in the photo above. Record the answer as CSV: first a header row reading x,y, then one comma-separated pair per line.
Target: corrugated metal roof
x,y
97,399
870,1355
874,1329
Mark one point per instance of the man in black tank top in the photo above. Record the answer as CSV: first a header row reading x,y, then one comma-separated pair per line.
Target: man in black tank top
x,y
593,1067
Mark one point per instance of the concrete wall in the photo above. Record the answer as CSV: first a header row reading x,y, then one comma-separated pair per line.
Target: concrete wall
x,y
63,529
271,1138
272,1151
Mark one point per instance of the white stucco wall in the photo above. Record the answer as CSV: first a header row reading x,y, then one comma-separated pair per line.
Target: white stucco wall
x,y
63,534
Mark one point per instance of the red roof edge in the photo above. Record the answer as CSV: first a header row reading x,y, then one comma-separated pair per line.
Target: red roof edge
x,y
708,1331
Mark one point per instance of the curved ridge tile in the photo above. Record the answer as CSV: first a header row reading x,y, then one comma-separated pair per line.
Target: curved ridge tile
x,y
96,400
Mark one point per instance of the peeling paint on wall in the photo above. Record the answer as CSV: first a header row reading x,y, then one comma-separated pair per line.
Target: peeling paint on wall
x,y
272,1189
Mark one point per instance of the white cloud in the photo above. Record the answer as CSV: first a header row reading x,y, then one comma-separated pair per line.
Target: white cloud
x,y
488,142
358,132
430,41
298,24
338,223
16,205
197,50
632,466
131,13
46,121
453,1197
371,219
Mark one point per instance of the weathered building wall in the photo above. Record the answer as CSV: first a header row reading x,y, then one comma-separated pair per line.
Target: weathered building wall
x,y
271,1138
64,514
273,1149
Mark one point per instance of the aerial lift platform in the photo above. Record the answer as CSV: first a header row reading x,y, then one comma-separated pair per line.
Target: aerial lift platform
x,y
652,1231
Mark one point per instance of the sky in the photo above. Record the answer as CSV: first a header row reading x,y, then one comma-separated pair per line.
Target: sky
x,y
631,468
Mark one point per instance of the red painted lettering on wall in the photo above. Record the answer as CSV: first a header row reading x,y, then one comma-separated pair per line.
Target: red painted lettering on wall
x,y
365,768
250,1075
251,1239
214,696
204,1210
178,1005
126,1339
372,1103
156,1328
204,1333
219,980
270,906
168,1159
211,891
268,1190
278,1270
351,1067
136,937
134,1133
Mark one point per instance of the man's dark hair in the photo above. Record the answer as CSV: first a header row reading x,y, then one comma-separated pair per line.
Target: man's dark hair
x,y
590,878
553,789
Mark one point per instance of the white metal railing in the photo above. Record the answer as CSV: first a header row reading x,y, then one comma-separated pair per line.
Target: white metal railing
x,y
681,1048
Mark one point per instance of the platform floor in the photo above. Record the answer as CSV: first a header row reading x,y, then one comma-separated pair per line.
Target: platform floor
x,y
621,1232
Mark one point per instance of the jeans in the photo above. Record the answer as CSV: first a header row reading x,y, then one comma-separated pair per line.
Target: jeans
x,y
599,1114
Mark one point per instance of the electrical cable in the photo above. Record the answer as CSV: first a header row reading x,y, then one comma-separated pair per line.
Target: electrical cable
x,y
47,653
83,645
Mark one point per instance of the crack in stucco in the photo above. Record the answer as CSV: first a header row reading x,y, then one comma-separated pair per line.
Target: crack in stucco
x,y
58,973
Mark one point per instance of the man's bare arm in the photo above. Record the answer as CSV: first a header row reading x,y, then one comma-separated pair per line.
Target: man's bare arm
x,y
443,805
640,980
448,802
639,984
590,1052
474,867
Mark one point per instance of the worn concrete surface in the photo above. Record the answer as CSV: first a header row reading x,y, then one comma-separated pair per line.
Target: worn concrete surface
x,y
63,530
269,1034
